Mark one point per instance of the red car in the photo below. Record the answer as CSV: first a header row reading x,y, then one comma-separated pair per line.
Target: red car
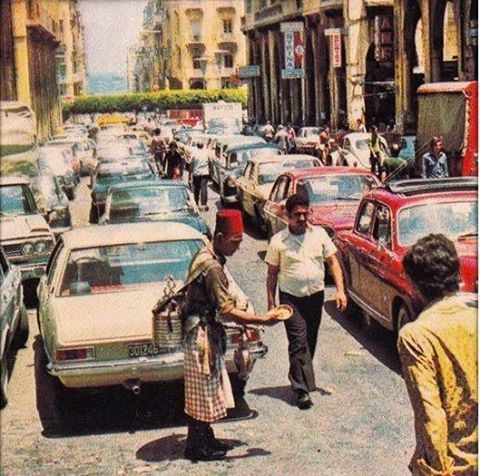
x,y
392,218
334,193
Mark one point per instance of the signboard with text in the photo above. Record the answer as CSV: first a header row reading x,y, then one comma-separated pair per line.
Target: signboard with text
x,y
294,50
251,71
336,49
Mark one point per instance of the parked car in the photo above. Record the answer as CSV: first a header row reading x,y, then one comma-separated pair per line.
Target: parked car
x,y
306,140
407,152
95,308
355,151
392,218
78,130
26,237
110,173
83,150
257,180
231,168
13,320
334,194
153,200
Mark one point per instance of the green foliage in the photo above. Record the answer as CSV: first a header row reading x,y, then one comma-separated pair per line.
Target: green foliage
x,y
169,99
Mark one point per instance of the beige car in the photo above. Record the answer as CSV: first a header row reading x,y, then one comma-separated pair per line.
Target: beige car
x,y
256,183
95,309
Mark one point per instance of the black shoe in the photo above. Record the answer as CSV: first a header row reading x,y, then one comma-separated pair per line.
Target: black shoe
x,y
217,444
303,400
203,454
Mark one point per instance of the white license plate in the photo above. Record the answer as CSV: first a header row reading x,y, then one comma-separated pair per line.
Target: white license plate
x,y
145,350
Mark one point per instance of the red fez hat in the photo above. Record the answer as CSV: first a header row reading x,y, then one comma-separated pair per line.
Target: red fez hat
x,y
229,222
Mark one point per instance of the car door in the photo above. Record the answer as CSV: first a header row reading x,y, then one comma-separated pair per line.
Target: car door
x,y
242,181
9,301
275,206
249,191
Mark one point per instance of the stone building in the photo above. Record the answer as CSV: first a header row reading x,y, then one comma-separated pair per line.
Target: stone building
x,y
190,44
350,57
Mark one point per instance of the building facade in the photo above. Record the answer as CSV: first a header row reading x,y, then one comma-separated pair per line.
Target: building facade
x,y
333,61
190,45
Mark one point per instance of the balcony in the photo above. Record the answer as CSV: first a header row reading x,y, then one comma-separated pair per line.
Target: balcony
x,y
226,9
227,37
39,19
193,11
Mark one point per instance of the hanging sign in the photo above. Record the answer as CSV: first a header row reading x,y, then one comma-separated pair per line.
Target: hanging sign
x,y
294,50
336,49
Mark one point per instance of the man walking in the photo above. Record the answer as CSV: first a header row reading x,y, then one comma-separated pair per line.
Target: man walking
x,y
438,352
295,259
199,176
435,163
377,151
173,162
158,148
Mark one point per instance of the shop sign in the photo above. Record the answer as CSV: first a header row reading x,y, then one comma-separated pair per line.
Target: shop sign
x,y
294,50
336,49
247,72
383,38
293,73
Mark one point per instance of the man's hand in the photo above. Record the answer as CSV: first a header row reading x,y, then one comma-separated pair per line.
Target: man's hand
x,y
341,300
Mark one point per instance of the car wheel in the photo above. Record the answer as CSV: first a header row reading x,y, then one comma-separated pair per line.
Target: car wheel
x,y
93,216
70,193
403,317
23,329
4,381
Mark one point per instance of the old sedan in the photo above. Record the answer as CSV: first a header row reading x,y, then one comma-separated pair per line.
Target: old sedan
x,y
95,309
334,194
390,219
306,141
153,200
355,150
256,183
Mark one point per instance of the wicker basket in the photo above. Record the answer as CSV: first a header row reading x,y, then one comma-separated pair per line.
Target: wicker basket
x,y
167,330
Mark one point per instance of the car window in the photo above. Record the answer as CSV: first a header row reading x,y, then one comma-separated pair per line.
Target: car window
x,y
248,170
281,189
53,261
346,144
17,200
382,232
365,218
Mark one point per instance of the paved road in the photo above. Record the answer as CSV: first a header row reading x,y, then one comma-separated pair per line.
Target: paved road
x,y
360,424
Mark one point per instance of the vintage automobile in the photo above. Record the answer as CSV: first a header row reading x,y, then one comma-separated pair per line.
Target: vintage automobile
x,y
83,151
231,167
110,173
306,140
392,218
95,306
13,320
355,151
334,194
259,175
153,200
26,237
78,130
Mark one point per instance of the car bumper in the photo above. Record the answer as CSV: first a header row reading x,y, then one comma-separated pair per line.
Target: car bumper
x,y
167,367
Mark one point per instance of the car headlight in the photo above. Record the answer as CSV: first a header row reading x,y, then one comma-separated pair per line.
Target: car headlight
x,y
40,247
27,249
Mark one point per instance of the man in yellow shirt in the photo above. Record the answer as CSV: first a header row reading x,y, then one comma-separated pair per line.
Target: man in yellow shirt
x,y
438,352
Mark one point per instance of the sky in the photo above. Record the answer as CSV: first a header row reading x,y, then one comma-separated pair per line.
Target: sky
x,y
110,27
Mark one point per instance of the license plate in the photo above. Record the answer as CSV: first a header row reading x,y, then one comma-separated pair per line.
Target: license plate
x,y
145,350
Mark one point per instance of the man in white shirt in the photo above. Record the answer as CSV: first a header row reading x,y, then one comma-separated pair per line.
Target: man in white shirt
x,y
295,260
199,176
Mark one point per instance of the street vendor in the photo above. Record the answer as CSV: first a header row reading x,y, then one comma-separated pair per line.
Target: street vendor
x,y
208,392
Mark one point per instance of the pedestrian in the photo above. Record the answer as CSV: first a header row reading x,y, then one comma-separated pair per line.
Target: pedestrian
x,y
438,353
281,138
209,303
295,260
198,176
435,162
394,167
377,151
323,145
360,126
158,147
291,138
173,162
268,132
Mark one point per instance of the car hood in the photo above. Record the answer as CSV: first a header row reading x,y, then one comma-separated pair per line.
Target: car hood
x,y
22,226
339,217
96,318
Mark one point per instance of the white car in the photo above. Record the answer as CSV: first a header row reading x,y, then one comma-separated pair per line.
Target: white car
x,y
306,141
355,150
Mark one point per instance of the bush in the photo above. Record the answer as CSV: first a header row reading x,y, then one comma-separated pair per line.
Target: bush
x,y
162,100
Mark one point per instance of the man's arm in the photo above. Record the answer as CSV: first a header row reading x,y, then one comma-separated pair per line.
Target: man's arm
x,y
272,277
336,270
445,165
424,167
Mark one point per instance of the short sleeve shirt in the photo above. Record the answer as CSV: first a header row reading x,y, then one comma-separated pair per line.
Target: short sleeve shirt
x,y
301,260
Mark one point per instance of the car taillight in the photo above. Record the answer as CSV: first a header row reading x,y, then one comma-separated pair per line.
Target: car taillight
x,y
249,335
81,353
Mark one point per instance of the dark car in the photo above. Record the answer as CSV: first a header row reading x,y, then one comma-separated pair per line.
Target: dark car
x,y
111,173
389,220
153,200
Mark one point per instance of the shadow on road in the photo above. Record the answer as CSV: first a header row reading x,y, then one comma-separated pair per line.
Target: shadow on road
x,y
380,343
283,393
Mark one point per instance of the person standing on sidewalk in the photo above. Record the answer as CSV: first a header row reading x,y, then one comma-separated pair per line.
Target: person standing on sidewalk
x,y
198,176
295,260
435,162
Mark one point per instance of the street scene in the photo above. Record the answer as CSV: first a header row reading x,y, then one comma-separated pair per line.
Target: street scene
x,y
242,238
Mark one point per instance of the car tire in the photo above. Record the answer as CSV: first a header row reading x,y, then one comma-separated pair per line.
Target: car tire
x,y
93,215
70,193
403,317
4,381
21,336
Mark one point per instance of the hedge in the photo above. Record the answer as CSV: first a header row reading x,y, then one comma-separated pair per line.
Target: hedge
x,y
162,100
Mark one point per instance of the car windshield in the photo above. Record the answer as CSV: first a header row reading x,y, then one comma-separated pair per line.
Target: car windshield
x,y
16,200
114,153
126,267
309,132
56,164
269,171
147,201
337,187
455,220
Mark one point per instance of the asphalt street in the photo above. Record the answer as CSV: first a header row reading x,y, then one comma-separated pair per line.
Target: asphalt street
x,y
361,422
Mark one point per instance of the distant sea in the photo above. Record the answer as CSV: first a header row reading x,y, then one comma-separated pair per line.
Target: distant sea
x,y
106,83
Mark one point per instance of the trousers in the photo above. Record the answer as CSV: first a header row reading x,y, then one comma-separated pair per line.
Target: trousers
x,y
302,334
200,190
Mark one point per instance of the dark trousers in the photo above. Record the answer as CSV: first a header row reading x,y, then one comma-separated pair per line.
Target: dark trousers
x,y
159,162
302,333
375,163
200,188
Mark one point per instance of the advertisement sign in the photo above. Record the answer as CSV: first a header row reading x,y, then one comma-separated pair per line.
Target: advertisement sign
x,y
336,49
383,38
294,50
247,72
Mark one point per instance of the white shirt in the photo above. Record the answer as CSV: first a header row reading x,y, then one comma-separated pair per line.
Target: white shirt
x,y
301,260
199,163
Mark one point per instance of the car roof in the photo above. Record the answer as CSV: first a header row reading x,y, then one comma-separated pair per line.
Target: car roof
x,y
12,180
267,145
298,174
282,158
148,183
105,235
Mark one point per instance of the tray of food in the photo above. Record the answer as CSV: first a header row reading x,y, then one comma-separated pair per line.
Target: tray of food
x,y
281,312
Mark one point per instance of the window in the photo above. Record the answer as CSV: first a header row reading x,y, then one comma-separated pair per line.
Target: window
x,y
228,61
227,26
280,189
196,30
365,219
196,62
381,228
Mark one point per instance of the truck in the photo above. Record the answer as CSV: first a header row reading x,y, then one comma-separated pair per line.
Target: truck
x,y
221,115
449,110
